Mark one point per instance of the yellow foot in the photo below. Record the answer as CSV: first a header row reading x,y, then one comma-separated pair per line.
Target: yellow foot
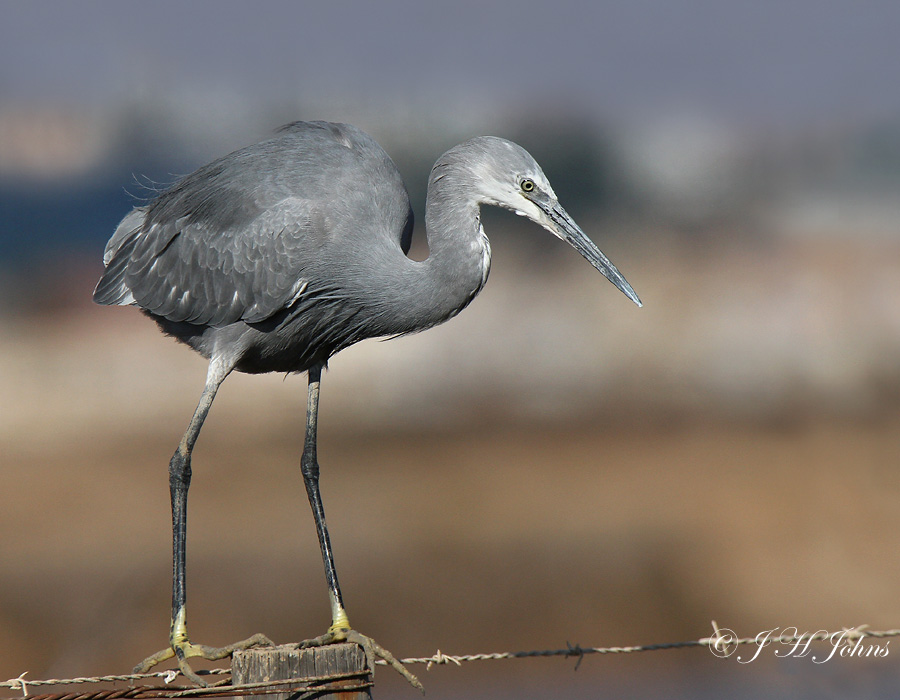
x,y
370,647
182,651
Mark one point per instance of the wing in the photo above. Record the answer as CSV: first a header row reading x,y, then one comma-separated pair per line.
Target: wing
x,y
232,240
245,236
194,272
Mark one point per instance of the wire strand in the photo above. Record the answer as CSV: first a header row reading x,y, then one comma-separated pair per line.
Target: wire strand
x,y
722,642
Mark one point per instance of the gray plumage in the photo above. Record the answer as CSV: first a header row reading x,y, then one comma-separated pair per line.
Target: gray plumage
x,y
279,255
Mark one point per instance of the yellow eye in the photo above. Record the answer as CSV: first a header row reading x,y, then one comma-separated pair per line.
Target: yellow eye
x,y
527,185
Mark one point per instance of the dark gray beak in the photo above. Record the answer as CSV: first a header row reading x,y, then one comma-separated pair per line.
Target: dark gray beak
x,y
561,224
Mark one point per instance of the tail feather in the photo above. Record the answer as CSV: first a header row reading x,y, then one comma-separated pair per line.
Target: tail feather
x,y
111,290
131,224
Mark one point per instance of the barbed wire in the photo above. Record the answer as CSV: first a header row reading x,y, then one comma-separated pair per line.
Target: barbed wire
x,y
722,643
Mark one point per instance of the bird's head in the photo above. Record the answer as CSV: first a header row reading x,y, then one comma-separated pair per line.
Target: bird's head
x,y
504,174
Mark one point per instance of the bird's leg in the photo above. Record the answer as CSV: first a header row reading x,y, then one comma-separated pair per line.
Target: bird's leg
x,y
340,630
309,467
179,482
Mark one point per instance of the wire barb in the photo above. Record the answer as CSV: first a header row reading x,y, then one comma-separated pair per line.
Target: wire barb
x,y
440,658
20,680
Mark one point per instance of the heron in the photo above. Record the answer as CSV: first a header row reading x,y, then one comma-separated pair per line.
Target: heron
x,y
275,257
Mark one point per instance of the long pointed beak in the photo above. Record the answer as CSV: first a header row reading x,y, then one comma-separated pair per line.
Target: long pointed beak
x,y
560,224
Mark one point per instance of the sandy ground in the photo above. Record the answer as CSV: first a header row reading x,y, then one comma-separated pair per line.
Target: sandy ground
x,y
539,511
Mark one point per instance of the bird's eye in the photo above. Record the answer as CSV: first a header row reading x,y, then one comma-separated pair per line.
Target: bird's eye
x,y
527,185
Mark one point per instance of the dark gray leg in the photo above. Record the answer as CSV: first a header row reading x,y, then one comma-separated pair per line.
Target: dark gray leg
x,y
309,467
179,483
340,629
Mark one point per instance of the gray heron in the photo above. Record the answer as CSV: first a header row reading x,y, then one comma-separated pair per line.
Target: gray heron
x,y
276,256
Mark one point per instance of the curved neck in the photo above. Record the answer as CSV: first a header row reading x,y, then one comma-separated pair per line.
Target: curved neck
x,y
459,250
424,294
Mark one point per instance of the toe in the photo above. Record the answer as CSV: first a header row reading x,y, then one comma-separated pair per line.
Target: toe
x,y
154,659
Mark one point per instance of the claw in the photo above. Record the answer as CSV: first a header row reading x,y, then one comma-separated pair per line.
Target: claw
x,y
371,648
184,650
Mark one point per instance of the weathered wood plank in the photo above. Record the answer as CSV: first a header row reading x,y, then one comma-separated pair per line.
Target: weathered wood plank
x,y
318,667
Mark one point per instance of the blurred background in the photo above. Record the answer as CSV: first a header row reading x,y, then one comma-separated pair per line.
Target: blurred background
x,y
555,465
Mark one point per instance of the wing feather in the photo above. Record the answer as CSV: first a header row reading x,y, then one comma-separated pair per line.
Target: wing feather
x,y
246,237
187,271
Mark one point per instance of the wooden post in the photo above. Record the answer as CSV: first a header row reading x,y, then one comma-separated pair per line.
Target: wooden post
x,y
336,671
